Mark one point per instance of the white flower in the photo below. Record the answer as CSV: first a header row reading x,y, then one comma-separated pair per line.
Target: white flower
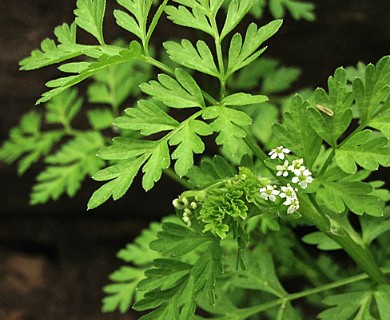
x,y
269,192
288,193
296,165
303,178
293,206
278,152
282,169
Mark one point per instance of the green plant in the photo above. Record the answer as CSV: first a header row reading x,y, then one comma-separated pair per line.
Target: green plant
x,y
236,239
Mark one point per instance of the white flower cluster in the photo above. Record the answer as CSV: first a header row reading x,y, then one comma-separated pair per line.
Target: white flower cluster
x,y
182,203
302,177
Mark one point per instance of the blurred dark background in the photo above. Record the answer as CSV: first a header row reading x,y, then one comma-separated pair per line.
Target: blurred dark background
x,y
55,258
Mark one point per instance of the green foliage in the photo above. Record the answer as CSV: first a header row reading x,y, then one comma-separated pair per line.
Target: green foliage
x,y
359,304
28,143
68,167
233,247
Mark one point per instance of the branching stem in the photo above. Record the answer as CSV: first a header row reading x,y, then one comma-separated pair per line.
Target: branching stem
x,y
247,312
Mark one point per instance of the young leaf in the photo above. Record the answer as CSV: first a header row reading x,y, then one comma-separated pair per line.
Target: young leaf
x,y
68,167
89,16
243,53
188,142
230,124
367,149
182,92
296,132
199,58
146,117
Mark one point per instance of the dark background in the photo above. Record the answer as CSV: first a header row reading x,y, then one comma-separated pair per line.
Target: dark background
x,y
55,258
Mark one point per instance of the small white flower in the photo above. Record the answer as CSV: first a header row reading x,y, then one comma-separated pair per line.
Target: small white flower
x,y
278,152
269,192
293,206
303,178
296,165
282,169
288,192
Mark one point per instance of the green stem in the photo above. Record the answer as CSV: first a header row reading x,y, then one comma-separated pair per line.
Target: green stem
x,y
247,312
171,173
347,238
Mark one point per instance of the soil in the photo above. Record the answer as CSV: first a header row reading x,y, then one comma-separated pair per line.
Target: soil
x,y
55,258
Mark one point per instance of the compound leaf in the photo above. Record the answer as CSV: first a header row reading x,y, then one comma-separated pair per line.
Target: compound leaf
x,y
146,117
199,58
28,143
68,167
296,132
371,91
120,294
51,53
338,191
333,113
348,305
63,108
176,240
188,142
230,124
367,149
182,92
242,53
87,69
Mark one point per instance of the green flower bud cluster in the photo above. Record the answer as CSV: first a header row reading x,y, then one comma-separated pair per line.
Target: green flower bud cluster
x,y
221,205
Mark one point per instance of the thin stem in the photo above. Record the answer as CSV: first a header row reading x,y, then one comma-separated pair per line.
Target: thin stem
x,y
172,174
247,312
